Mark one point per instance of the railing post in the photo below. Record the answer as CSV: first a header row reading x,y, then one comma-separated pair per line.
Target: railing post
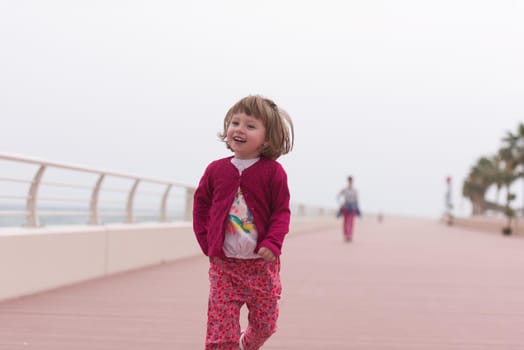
x,y
130,199
163,205
31,205
188,211
93,206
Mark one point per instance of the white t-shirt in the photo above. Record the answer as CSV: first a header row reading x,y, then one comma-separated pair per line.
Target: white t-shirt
x,y
349,195
241,234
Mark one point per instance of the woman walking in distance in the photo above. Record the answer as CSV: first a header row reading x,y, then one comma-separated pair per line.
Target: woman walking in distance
x,y
348,209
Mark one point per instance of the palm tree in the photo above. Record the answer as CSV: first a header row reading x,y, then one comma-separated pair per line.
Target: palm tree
x,y
500,170
515,143
498,162
512,152
481,176
473,190
507,176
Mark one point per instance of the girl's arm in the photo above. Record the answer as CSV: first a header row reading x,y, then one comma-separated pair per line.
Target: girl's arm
x,y
280,217
340,196
201,206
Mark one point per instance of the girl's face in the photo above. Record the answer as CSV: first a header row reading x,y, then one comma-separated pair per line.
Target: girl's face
x,y
245,136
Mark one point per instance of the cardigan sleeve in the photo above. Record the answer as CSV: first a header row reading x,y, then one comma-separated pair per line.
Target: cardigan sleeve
x,y
201,206
280,213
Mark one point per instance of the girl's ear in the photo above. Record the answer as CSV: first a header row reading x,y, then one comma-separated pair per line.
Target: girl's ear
x,y
264,146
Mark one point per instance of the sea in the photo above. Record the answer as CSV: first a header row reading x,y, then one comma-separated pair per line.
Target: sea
x,y
75,216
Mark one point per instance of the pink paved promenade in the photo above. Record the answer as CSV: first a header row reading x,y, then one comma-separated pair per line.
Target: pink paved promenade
x,y
402,284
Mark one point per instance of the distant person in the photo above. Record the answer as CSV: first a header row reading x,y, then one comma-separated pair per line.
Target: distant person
x,y
448,203
349,208
241,215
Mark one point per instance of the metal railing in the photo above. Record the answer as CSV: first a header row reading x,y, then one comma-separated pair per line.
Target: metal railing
x,y
24,200
27,200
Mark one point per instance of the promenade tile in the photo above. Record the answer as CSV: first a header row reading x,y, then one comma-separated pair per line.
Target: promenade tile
x,y
401,284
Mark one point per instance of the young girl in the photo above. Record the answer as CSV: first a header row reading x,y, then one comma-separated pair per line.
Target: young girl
x,y
240,217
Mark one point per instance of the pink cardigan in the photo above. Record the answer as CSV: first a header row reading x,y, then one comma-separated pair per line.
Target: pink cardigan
x,y
265,190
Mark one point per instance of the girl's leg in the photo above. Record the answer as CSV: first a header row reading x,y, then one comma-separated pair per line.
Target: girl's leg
x,y
265,289
223,326
349,227
345,225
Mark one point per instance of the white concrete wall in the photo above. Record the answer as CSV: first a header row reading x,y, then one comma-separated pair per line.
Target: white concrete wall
x,y
133,246
34,260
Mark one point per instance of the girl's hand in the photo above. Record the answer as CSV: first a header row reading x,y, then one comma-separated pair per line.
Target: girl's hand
x,y
266,254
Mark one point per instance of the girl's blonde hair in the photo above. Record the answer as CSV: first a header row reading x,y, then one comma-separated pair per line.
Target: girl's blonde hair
x,y
280,134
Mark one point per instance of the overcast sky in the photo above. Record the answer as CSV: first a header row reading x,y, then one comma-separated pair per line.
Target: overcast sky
x,y
398,93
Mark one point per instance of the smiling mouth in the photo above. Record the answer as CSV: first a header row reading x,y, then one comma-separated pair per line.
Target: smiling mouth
x,y
239,139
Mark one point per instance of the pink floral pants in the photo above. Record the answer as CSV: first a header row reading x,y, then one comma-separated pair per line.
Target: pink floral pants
x,y
233,283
